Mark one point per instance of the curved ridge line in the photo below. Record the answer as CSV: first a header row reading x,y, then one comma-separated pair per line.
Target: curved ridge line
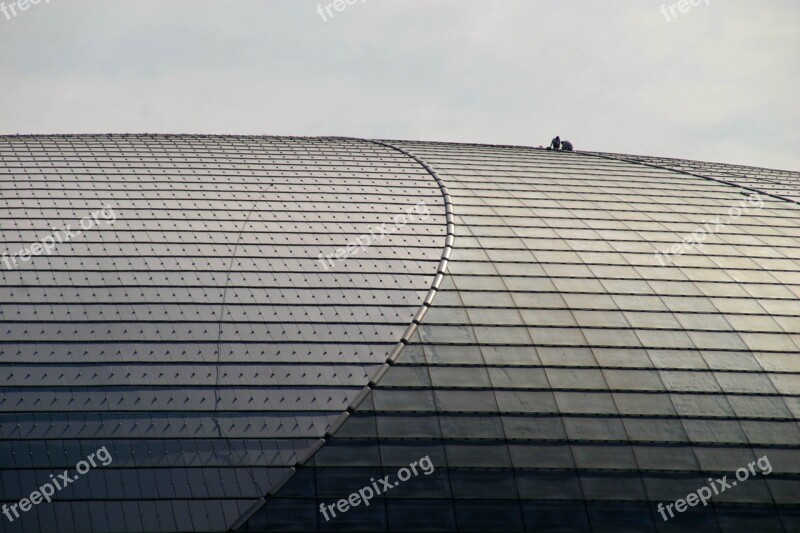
x,y
394,354
623,159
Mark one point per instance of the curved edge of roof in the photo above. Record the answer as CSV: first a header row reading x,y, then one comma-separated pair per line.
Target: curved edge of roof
x,y
386,142
394,354
631,160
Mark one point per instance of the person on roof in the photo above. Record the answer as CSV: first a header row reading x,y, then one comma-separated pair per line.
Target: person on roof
x,y
555,144
566,145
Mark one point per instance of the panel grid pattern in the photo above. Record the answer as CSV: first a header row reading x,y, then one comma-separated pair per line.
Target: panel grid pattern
x,y
197,335
565,378
781,183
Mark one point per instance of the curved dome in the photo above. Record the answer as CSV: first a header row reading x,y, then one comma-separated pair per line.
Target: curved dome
x,y
569,375
610,332
212,323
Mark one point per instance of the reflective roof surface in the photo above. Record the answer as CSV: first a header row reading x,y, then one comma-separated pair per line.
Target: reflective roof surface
x,y
566,377
606,332
203,328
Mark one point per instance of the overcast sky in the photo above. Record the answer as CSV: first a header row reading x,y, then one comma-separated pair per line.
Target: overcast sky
x,y
719,82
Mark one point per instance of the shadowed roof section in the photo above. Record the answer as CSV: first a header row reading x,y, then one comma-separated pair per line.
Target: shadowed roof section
x,y
575,370
210,335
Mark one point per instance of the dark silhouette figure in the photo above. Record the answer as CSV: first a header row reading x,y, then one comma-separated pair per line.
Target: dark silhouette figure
x,y
555,144
566,145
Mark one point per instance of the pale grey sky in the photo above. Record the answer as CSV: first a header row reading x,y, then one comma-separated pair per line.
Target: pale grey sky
x,y
719,82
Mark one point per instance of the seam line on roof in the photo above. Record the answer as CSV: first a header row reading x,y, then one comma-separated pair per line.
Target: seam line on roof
x,y
222,308
687,173
394,354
